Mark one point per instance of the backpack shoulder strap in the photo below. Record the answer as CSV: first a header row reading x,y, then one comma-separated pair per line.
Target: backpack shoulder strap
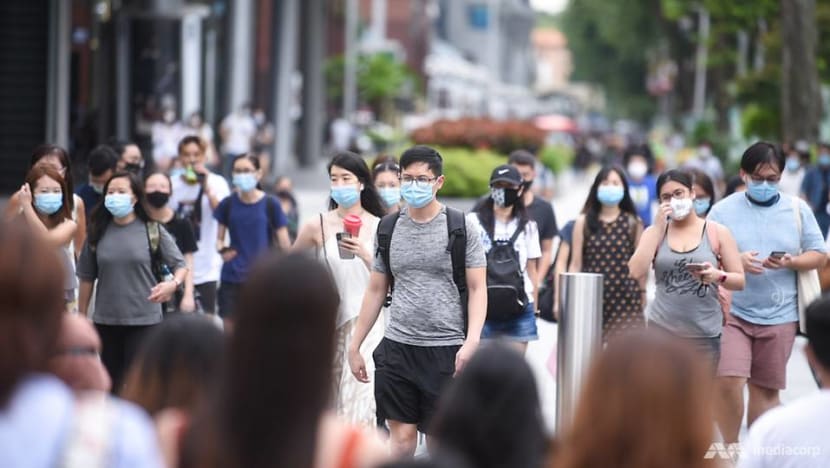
x,y
457,247
272,222
519,229
386,227
153,237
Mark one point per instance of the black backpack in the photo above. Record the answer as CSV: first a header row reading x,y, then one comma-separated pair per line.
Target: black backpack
x,y
506,297
456,247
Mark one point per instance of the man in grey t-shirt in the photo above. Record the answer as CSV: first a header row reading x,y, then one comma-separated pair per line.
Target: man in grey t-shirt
x,y
424,344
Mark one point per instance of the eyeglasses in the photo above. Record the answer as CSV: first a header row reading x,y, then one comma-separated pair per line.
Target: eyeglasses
x,y
771,179
419,181
679,193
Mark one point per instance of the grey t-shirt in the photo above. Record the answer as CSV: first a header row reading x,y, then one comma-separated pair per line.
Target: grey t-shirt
x,y
426,307
681,304
124,274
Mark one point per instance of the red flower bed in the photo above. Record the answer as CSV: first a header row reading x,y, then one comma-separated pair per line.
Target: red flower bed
x,y
500,136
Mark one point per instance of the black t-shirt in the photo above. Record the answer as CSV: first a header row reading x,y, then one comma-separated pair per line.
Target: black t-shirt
x,y
542,212
182,231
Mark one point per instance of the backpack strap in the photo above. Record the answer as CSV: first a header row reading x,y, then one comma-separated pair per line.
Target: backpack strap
x,y
386,227
272,222
519,229
457,248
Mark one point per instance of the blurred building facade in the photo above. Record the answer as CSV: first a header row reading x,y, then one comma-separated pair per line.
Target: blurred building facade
x,y
81,71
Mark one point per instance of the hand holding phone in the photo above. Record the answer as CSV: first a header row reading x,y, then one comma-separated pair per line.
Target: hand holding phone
x,y
695,267
776,254
344,254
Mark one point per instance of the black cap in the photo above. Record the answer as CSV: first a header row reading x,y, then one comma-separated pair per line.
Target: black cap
x,y
506,173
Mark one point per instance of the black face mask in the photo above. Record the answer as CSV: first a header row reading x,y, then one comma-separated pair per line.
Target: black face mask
x,y
158,199
133,168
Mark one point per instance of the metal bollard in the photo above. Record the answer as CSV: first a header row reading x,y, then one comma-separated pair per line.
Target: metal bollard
x,y
580,338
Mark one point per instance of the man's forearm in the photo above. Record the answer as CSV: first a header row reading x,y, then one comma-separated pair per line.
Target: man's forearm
x,y
809,261
476,313
369,312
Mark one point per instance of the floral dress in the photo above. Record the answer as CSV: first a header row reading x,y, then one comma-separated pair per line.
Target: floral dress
x,y
607,252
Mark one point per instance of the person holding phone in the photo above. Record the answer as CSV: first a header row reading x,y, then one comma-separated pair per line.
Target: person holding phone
x,y
344,240
692,258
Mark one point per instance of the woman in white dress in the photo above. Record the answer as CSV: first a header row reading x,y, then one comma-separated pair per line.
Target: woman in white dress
x,y
350,262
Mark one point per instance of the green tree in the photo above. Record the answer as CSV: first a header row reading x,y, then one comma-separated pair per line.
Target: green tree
x,y
380,79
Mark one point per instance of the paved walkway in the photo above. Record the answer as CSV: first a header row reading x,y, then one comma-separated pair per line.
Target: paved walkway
x,y
312,192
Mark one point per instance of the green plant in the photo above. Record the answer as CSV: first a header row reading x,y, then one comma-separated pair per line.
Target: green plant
x,y
556,158
467,172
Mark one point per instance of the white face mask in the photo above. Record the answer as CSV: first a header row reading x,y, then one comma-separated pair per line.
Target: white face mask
x,y
681,207
637,169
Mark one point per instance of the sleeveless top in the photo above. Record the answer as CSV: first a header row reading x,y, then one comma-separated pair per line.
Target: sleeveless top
x,y
351,276
681,305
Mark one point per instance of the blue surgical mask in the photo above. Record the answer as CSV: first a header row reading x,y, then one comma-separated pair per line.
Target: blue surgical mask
x,y
824,159
119,204
761,191
702,205
793,164
417,196
610,195
346,196
391,196
48,203
244,182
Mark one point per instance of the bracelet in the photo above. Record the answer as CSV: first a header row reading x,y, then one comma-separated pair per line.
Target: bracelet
x,y
722,279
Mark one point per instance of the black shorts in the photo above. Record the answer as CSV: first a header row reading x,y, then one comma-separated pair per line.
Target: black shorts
x,y
409,380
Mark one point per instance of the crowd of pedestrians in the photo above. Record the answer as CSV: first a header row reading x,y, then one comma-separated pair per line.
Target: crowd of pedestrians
x,y
230,333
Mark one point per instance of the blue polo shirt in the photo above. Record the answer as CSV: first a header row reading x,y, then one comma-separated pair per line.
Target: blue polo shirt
x,y
771,297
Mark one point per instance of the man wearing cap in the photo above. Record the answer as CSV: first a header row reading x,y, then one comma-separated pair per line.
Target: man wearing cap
x,y
432,332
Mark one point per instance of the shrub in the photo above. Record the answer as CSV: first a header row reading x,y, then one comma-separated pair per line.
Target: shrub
x,y
467,172
500,136
556,158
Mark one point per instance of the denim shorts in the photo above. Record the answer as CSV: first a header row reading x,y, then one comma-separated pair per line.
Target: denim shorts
x,y
521,328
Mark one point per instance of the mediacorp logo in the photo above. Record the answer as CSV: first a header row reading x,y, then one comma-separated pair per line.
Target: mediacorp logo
x,y
723,451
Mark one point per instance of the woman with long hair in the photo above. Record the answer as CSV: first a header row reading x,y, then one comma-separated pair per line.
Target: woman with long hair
x,y
44,205
58,159
510,432
353,197
503,219
270,409
158,189
704,191
138,268
255,222
692,258
646,403
604,238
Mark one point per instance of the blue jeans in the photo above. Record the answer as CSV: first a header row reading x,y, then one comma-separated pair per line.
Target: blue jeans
x,y
521,328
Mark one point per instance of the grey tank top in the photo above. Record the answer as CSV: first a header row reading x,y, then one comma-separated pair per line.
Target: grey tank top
x,y
680,304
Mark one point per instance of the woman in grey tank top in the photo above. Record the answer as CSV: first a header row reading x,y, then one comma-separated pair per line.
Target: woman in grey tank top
x,y
692,258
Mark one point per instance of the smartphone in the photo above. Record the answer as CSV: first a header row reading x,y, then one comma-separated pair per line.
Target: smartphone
x,y
344,254
777,254
695,266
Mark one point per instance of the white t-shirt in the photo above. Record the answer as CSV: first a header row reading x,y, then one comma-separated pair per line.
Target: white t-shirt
x,y
241,130
207,263
791,182
166,139
527,244
790,436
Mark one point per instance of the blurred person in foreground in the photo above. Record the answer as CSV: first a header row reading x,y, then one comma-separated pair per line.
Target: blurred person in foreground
x,y
77,360
260,419
510,431
175,370
799,427
41,421
645,404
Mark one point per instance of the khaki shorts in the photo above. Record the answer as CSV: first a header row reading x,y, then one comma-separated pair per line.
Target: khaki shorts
x,y
757,352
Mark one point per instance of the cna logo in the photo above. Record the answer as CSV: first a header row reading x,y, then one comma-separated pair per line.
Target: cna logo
x,y
723,451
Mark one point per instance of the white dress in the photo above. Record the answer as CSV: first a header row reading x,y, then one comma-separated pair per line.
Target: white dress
x,y
354,401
